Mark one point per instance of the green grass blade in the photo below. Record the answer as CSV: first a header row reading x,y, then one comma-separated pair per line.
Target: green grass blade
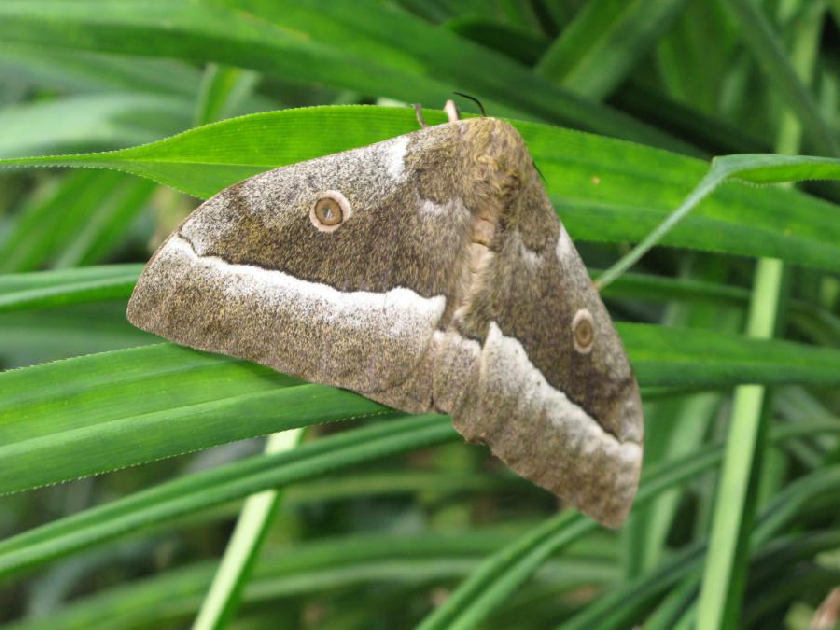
x,y
244,546
789,505
364,47
735,504
751,168
106,227
604,189
100,403
37,336
90,123
769,50
676,425
65,287
681,357
724,574
682,119
597,51
221,92
83,72
35,234
311,567
502,572
200,491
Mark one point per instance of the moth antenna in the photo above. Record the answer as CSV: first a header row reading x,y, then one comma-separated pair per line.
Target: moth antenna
x,y
452,111
419,110
477,102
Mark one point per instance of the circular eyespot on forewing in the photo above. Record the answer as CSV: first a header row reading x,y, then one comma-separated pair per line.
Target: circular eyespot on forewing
x,y
583,331
329,211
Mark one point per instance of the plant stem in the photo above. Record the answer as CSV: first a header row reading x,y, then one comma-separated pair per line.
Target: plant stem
x,y
723,578
243,547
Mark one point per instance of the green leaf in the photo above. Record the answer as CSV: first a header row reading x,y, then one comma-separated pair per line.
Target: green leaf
x,y
751,168
770,53
85,123
366,47
506,569
604,189
37,336
244,546
509,567
64,287
79,222
200,491
681,357
100,403
84,72
311,567
498,576
198,402
222,91
597,51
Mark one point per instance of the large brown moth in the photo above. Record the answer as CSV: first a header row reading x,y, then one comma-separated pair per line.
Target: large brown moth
x,y
426,272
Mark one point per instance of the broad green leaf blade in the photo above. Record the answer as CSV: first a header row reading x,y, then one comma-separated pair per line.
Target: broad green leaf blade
x,y
90,123
100,403
597,51
363,47
64,287
198,403
752,168
704,359
200,491
603,189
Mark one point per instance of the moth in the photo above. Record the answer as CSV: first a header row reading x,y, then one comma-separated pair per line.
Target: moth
x,y
428,272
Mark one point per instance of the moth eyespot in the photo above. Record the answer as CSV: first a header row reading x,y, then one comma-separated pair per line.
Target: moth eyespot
x,y
329,211
583,331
